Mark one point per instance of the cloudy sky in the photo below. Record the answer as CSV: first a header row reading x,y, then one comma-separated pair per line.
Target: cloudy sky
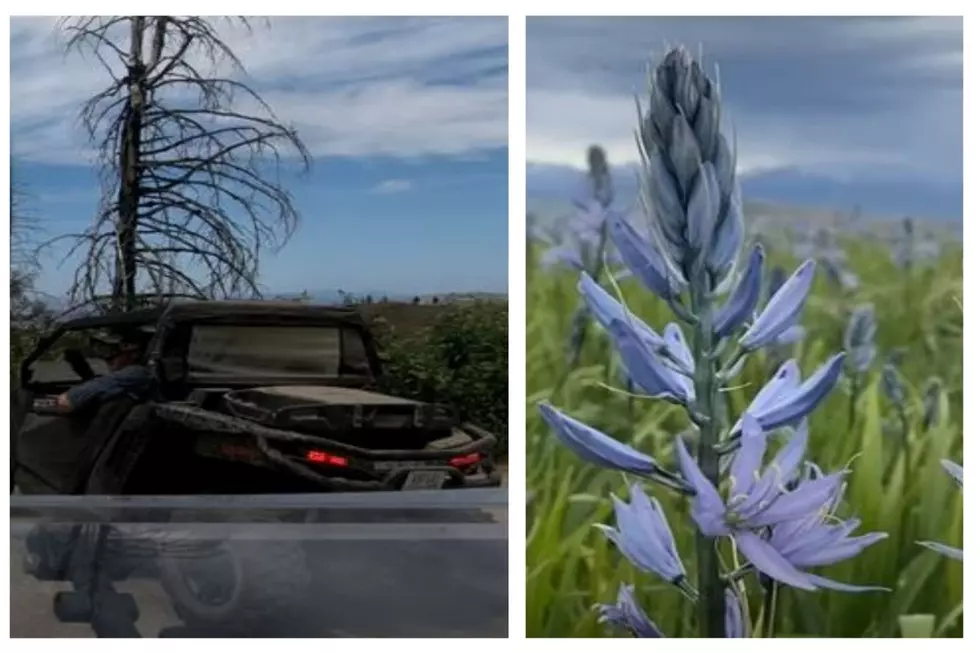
x,y
406,119
834,112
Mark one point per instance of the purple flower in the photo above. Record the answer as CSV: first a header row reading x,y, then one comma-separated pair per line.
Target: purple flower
x,y
643,535
819,540
646,369
738,309
579,241
599,449
760,503
626,614
784,400
594,446
782,311
642,259
793,334
786,379
605,309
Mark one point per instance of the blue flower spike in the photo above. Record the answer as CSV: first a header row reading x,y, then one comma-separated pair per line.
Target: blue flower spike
x,y
778,508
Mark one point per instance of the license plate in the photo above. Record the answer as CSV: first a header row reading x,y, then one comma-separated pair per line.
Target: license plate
x,y
424,480
401,464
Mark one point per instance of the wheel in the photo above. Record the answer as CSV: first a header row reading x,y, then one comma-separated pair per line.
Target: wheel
x,y
238,588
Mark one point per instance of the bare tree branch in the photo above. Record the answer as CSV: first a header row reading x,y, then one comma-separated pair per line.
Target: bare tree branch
x,y
190,179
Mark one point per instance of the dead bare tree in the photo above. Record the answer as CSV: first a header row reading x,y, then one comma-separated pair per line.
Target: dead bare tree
x,y
191,188
25,229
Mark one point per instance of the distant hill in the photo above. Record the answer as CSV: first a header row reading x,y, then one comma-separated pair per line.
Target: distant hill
x,y
765,214
336,297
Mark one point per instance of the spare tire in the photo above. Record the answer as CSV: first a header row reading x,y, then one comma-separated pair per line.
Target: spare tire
x,y
236,587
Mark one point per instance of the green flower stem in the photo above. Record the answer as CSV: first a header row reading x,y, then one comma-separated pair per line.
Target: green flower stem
x,y
710,588
855,394
771,589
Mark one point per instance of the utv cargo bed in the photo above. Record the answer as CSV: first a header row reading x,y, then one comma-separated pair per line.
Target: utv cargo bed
x,y
359,417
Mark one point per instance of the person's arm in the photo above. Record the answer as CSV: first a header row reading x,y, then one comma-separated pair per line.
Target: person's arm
x,y
84,394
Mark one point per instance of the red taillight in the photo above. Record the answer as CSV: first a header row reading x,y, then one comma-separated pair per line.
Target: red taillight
x,y
465,461
324,458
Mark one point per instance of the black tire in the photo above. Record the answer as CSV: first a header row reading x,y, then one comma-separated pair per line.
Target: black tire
x,y
270,581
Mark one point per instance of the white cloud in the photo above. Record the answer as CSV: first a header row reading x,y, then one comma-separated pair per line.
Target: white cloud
x,y
883,98
392,186
352,86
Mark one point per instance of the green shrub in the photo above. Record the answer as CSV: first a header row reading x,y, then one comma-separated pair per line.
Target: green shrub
x,y
460,359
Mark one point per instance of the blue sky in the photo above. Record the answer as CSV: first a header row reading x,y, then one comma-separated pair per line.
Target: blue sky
x,y
833,112
406,119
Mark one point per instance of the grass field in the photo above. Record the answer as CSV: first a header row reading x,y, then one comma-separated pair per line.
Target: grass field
x,y
896,486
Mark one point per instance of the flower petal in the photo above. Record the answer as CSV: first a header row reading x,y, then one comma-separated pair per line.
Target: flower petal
x,y
627,614
799,402
685,154
748,458
787,461
677,345
649,511
707,508
641,257
767,560
954,470
826,583
646,369
807,498
597,447
782,311
728,237
833,552
562,255
606,309
725,166
790,336
738,309
645,538
786,378
663,195
703,209
944,549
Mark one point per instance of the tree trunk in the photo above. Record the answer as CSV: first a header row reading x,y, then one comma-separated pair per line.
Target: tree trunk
x,y
124,287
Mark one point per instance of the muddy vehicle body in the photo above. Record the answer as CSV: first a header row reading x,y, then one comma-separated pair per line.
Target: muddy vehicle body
x,y
250,397
264,426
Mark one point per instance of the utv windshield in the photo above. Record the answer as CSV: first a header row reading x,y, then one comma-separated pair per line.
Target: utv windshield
x,y
219,350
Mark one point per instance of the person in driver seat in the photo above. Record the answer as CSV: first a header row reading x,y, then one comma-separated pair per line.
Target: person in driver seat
x,y
123,353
